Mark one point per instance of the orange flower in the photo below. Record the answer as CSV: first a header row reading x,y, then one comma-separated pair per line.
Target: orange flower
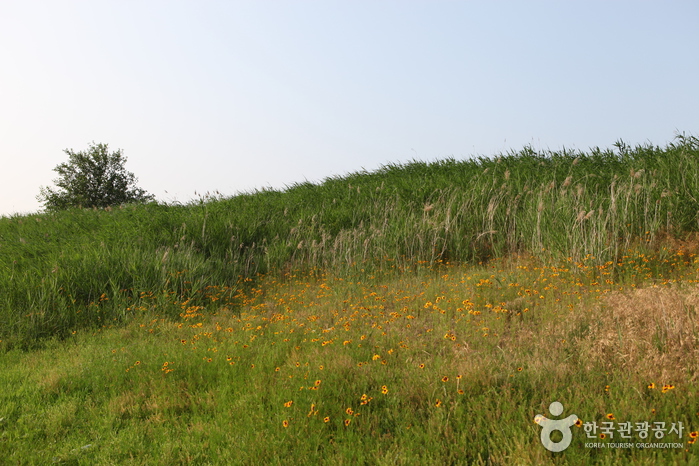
x,y
288,404
445,379
285,423
610,416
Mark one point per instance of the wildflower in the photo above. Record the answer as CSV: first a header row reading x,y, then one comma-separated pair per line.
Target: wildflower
x,y
694,434
602,436
611,417
137,363
460,391
326,419
578,423
438,404
288,404
445,379
349,411
651,386
317,383
519,369
421,366
384,389
285,423
347,422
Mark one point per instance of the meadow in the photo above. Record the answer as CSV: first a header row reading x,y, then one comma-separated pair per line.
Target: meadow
x,y
420,314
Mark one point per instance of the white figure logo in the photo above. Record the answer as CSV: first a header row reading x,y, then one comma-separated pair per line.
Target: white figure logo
x,y
561,425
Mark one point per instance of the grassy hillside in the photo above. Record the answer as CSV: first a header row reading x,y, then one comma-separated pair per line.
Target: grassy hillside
x,y
420,314
68,270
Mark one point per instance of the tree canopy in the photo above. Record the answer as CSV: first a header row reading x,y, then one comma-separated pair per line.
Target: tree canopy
x,y
93,178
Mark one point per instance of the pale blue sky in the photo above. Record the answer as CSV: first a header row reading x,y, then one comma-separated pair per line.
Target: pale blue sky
x,y
233,96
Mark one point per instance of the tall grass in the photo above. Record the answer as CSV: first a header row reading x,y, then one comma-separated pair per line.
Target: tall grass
x,y
79,268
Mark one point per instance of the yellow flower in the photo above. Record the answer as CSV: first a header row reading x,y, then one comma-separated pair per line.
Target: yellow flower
x,y
651,386
384,390
288,404
438,403
610,416
445,379
349,411
347,422
326,419
578,423
421,366
285,423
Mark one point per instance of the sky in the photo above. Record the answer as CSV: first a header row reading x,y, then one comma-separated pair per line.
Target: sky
x,y
234,96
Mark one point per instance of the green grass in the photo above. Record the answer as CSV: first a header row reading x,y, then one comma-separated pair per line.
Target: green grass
x,y
171,334
215,387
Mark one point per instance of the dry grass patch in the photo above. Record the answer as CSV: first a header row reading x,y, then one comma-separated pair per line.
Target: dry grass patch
x,y
652,332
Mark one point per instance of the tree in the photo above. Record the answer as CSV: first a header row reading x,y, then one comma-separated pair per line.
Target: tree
x,y
93,178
